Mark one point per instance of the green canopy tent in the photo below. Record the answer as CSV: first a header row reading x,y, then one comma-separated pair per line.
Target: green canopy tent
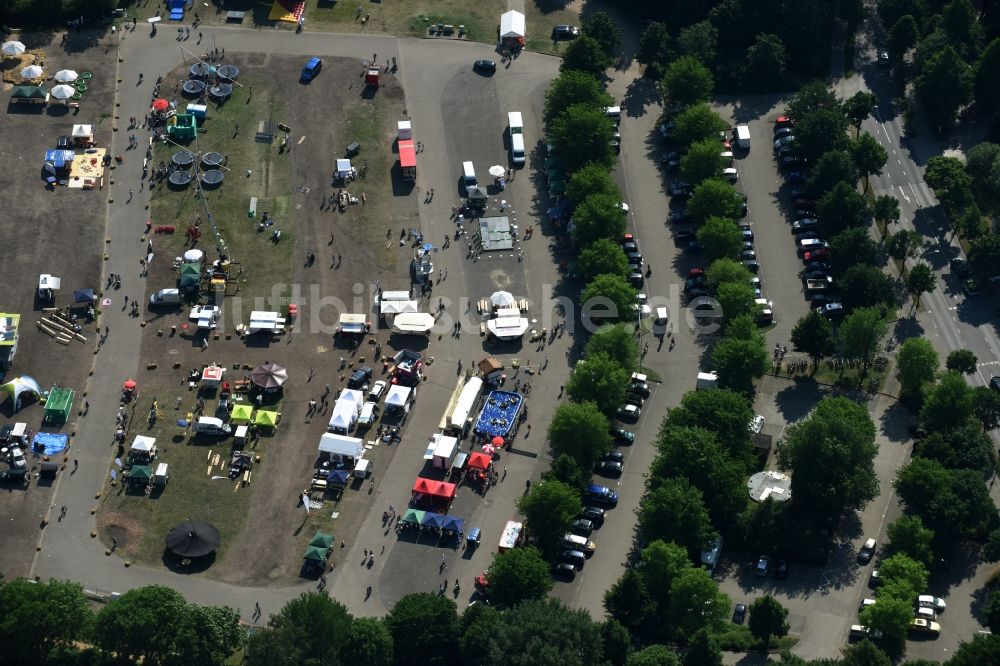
x,y
322,540
266,419
140,474
190,279
58,405
241,414
16,387
316,554
413,516
29,93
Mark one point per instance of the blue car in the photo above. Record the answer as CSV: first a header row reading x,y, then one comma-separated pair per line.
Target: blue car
x,y
311,69
796,177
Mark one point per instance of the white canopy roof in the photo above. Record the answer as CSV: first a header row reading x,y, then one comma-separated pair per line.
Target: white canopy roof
x,y
397,307
507,327
444,445
341,445
265,321
397,396
46,281
83,131
143,443
343,166
512,24
502,299
508,312
413,322
352,396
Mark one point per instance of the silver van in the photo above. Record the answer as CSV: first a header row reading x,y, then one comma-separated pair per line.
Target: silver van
x,y
165,297
209,425
517,149
369,412
577,542
468,174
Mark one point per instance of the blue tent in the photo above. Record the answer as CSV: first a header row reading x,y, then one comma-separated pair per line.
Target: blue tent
x,y
453,524
433,520
84,296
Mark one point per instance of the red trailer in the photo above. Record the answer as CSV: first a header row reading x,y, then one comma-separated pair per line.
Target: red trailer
x,y
408,159
371,77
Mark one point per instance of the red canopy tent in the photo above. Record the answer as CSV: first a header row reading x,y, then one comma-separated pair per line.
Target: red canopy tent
x,y
479,460
434,488
407,159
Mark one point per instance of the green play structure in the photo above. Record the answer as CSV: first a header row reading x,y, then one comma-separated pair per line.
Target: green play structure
x,y
58,405
182,126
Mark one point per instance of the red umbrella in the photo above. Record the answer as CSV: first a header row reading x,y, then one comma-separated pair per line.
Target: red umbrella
x,y
498,441
129,384
160,104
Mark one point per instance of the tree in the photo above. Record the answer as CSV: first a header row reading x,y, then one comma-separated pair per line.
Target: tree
x,y
591,179
616,641
653,655
519,574
991,550
604,256
920,280
964,447
736,299
767,619
598,216
696,602
571,88
703,160
860,334
369,642
309,628
853,246
585,54
35,619
992,611
703,650
813,334
715,198
721,411
618,342
598,379
886,210
695,454
842,207
987,81
891,615
813,96
766,60
954,503
721,238
687,82
986,407
959,20
904,244
916,364
858,107
739,362
948,404
982,649
904,571
609,298
982,163
697,122
629,602
602,29
962,360
654,48
831,454
950,181
546,632
984,255
206,635
944,86
834,166
662,562
908,536
676,511
722,271
580,430
141,624
566,470
549,508
820,132
869,156
865,286
424,628
902,37
580,135
478,625
698,40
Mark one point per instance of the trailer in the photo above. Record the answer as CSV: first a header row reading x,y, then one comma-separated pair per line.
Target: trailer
x,y
511,537
407,159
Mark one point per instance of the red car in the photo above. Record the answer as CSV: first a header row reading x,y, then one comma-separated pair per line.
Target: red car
x,y
696,272
783,121
482,585
816,255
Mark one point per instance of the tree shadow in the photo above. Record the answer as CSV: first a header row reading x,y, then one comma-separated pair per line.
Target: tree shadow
x,y
641,92
794,402
747,108
908,327
896,422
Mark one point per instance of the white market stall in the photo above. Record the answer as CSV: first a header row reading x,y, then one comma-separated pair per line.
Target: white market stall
x,y
143,447
507,328
340,448
343,417
261,320
399,398
344,170
512,30
413,323
83,135
443,451
392,308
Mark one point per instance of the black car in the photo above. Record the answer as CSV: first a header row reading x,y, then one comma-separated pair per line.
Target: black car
x,y
636,279
565,32
790,162
640,388
614,456
582,527
622,436
740,613
763,566
751,265
564,571
680,190
960,269
609,468
484,66
995,383
359,377
684,236
594,514
634,399
781,569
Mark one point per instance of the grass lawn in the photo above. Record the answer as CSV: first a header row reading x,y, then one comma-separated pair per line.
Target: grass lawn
x,y
263,263
408,19
851,377
539,18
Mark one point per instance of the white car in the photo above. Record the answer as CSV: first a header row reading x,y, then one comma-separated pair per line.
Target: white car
x,y
757,424
376,390
928,601
925,613
205,312
861,631
17,457
730,174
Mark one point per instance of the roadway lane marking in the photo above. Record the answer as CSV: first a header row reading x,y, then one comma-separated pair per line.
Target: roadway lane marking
x,y
903,193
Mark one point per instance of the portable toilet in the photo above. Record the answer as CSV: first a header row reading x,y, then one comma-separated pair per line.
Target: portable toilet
x,y
161,476
199,111
404,130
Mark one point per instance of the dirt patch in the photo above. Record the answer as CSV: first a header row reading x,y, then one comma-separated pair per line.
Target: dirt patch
x,y
39,233
123,527
264,528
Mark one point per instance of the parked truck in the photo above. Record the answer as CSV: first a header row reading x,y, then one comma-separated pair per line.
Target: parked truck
x,y
743,136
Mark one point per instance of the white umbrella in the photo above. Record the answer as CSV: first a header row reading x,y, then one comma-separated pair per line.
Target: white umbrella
x,y
502,299
193,255
153,19
63,91
66,76
497,170
12,48
31,72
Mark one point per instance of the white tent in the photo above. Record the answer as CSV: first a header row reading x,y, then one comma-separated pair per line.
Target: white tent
x,y
507,328
508,312
66,76
511,25
341,446
265,321
83,132
352,396
503,299
398,397
143,444
344,169
397,307
444,450
343,417
413,323
32,72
